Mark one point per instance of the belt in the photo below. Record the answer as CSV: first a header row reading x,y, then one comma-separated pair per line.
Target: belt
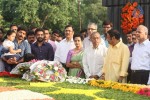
x,y
134,71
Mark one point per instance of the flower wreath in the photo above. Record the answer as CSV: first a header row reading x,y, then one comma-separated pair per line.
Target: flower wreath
x,y
48,71
132,17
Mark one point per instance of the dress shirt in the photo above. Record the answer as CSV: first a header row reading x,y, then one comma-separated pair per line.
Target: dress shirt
x,y
53,44
1,47
43,52
106,42
93,60
56,43
116,62
62,50
24,46
141,56
87,42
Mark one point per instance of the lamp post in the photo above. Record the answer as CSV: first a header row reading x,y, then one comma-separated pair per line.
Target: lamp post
x,y
79,14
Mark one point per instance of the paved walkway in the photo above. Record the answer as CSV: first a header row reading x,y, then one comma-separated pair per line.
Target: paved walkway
x,y
8,93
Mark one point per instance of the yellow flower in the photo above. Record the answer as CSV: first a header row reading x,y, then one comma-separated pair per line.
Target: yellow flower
x,y
118,86
56,73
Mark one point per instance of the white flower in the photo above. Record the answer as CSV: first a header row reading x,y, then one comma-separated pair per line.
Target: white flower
x,y
39,66
56,68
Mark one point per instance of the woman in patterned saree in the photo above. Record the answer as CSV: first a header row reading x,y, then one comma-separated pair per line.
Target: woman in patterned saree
x,y
74,58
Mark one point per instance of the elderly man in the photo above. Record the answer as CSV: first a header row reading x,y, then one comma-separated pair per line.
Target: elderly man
x,y
92,27
140,65
93,57
65,45
117,59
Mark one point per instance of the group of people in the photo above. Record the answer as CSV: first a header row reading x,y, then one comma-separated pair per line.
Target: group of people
x,y
99,56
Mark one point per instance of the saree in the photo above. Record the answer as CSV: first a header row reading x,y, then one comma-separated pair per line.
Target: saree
x,y
75,57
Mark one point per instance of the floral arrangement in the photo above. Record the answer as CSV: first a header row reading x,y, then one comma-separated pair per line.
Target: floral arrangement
x,y
77,80
115,85
21,68
48,71
25,66
144,91
132,17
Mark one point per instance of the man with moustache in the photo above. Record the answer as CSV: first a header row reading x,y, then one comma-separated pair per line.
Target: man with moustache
x,y
20,43
31,37
64,46
41,49
117,59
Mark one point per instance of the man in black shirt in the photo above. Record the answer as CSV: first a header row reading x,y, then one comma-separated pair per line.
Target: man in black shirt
x,y
41,49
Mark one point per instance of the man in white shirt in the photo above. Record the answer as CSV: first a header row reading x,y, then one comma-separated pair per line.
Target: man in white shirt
x,y
93,57
140,65
92,27
65,45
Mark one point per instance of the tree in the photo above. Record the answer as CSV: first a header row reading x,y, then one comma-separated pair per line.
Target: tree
x,y
92,11
53,14
20,12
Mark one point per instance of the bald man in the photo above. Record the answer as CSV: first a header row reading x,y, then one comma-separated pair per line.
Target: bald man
x,y
140,65
93,57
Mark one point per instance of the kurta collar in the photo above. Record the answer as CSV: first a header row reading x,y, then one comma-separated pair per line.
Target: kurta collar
x,y
68,41
117,45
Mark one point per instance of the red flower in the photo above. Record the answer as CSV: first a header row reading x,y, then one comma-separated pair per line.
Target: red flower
x,y
135,4
144,91
5,73
131,17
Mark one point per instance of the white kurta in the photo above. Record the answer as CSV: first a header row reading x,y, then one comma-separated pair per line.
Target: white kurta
x,y
93,60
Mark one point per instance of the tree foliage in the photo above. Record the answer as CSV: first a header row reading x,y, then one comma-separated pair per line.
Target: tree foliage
x,y
53,14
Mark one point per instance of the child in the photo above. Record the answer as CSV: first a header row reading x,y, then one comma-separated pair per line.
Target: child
x,y
8,46
28,57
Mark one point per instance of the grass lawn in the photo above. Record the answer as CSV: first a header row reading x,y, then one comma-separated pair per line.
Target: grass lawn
x,y
68,91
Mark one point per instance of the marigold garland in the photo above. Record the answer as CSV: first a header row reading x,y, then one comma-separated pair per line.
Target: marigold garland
x,y
117,86
132,17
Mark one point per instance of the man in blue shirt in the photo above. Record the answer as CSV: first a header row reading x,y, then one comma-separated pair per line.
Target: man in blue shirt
x,y
107,25
20,43
1,38
41,49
